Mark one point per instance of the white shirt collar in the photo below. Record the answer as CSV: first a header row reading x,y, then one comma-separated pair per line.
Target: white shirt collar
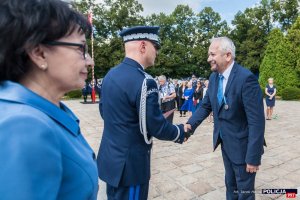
x,y
226,73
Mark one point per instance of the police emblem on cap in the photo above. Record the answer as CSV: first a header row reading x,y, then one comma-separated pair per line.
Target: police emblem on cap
x,y
141,33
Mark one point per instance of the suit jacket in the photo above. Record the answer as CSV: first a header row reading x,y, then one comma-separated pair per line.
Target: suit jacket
x,y
124,157
177,90
243,123
180,92
43,154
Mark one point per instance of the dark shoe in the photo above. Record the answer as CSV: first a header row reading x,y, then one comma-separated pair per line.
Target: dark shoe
x,y
180,115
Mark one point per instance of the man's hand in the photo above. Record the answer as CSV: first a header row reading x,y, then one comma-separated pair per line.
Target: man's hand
x,y
187,127
186,136
252,168
187,131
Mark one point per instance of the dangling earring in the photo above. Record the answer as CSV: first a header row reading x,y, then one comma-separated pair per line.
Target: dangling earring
x,y
44,66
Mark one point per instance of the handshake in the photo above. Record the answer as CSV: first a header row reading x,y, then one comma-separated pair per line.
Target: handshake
x,y
187,127
187,131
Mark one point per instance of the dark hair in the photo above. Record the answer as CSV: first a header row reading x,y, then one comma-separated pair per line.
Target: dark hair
x,y
26,23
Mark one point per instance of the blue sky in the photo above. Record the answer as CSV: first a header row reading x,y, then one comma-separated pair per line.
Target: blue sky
x,y
226,8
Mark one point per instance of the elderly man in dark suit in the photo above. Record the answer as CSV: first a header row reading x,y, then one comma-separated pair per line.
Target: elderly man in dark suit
x,y
132,116
236,100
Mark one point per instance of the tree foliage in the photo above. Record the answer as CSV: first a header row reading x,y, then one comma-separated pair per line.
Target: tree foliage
x,y
191,32
285,12
264,36
294,38
279,62
250,34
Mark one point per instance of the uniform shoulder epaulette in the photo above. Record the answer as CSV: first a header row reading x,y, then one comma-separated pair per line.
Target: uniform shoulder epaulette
x,y
147,76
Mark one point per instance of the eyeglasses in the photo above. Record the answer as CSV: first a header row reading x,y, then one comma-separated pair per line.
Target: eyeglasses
x,y
83,47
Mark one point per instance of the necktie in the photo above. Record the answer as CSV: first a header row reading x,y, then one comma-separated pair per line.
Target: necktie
x,y
220,95
220,89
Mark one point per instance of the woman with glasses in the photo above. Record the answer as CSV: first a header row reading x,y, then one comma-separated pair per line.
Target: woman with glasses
x,y
43,55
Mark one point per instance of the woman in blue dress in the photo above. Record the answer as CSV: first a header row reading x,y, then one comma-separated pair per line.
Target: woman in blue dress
x,y
188,95
270,98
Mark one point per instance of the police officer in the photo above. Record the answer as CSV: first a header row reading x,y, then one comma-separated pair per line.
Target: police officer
x,y
130,110
98,87
167,95
85,91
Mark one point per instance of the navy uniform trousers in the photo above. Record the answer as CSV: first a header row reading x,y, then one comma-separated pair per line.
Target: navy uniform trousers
x,y
236,175
138,192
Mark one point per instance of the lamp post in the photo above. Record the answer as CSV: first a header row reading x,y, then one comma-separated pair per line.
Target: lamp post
x,y
90,19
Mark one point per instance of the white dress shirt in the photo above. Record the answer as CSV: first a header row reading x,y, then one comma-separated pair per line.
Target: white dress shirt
x,y
226,74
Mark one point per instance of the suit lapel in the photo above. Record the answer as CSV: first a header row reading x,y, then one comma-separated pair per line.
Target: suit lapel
x,y
230,79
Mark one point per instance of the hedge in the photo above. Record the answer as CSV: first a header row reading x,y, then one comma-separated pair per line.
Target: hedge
x,y
291,93
74,94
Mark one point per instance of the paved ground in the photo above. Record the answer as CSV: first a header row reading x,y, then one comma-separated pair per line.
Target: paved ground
x,y
193,172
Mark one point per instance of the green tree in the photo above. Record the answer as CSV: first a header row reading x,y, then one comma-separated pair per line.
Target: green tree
x,y
208,25
285,12
109,18
176,34
185,35
293,37
279,62
122,13
185,39
250,34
